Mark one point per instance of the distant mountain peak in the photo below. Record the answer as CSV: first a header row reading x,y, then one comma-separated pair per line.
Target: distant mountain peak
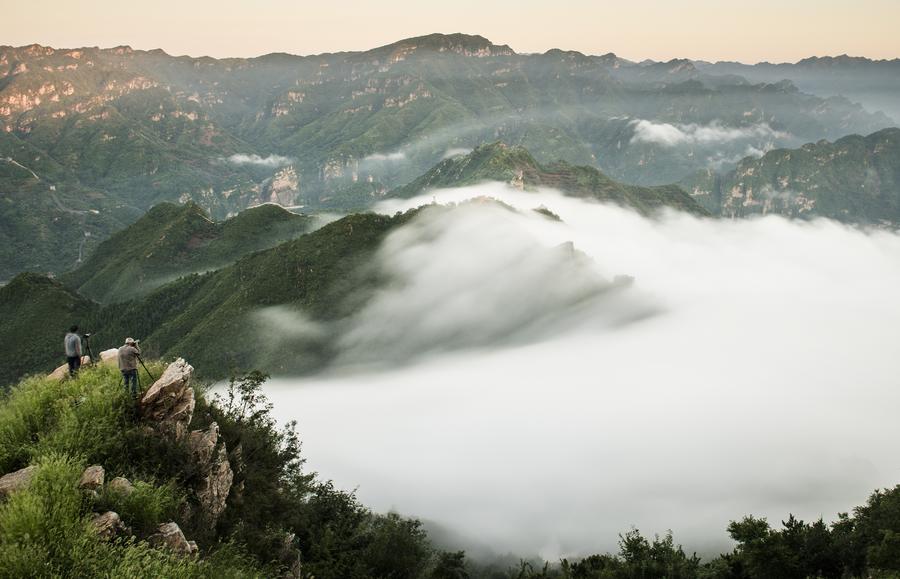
x,y
464,44
514,165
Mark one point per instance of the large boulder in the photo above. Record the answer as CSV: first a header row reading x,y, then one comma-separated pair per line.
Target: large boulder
x,y
15,481
109,525
110,357
169,535
62,372
92,478
169,402
210,457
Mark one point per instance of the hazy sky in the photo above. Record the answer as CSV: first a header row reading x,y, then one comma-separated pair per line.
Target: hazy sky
x,y
774,30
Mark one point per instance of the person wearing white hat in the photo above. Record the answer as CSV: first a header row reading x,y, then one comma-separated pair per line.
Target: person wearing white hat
x,y
129,356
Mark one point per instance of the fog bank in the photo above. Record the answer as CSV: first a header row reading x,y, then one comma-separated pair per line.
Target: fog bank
x,y
751,368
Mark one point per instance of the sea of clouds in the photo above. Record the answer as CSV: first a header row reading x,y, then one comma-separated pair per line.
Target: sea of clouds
x,y
526,402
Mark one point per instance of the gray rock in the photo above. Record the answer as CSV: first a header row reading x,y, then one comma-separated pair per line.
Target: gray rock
x,y
109,525
202,444
15,481
121,485
169,402
92,478
169,536
211,459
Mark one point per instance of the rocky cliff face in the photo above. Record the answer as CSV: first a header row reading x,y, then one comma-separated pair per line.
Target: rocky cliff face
x,y
854,179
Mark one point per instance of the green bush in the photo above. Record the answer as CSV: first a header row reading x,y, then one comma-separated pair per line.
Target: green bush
x,y
146,507
90,416
45,531
42,529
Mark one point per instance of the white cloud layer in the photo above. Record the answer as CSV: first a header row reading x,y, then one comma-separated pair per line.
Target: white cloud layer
x,y
456,152
273,161
394,157
759,375
669,135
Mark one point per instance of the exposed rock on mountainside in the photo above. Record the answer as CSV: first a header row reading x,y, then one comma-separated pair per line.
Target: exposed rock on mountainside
x,y
171,537
92,478
15,481
109,525
854,179
210,457
169,402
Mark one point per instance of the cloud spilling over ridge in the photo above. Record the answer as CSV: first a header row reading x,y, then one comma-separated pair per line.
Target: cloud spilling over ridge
x,y
764,383
473,276
673,135
273,161
456,152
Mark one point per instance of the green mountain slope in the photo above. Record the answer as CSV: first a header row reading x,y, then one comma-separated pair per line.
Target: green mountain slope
x,y
516,166
171,241
48,222
323,275
35,312
854,179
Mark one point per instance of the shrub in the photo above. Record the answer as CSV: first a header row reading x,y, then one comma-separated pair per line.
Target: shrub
x,y
146,507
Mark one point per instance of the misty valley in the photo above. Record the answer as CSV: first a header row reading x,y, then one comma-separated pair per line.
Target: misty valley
x,y
441,309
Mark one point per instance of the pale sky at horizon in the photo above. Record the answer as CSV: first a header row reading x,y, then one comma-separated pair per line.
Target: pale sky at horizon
x,y
772,30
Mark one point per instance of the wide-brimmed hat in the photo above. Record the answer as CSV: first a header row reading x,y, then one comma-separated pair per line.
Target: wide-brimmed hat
x,y
129,340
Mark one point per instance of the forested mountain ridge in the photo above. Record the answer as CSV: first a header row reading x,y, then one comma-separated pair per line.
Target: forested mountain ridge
x,y
91,138
170,241
853,179
518,168
208,315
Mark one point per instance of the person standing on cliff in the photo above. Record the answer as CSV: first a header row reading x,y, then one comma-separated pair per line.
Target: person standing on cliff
x,y
129,356
72,344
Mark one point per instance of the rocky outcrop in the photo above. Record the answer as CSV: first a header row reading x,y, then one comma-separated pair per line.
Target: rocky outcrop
x,y
15,481
210,456
284,188
109,525
169,402
169,536
92,478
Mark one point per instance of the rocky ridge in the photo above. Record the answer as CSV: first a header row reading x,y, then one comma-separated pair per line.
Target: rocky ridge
x,y
167,409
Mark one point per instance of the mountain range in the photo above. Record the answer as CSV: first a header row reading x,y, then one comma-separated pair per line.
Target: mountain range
x,y
92,138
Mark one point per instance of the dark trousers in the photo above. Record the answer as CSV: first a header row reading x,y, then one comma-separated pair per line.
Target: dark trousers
x,y
74,364
131,376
